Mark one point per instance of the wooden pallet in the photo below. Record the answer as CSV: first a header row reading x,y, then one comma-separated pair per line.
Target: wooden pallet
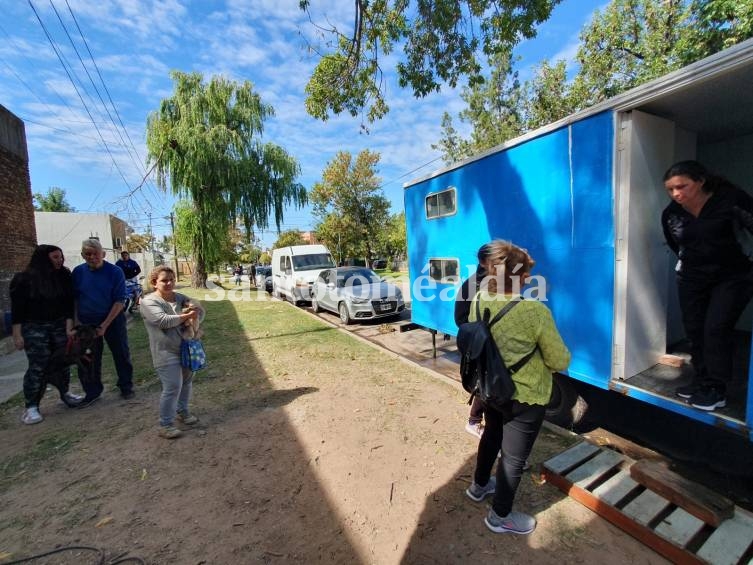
x,y
600,479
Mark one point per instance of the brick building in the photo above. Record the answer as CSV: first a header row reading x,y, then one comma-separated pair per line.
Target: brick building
x,y
17,231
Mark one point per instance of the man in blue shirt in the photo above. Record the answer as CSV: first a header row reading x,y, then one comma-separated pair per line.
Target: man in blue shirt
x,y
99,290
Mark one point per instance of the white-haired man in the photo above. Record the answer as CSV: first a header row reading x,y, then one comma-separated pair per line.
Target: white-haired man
x,y
99,290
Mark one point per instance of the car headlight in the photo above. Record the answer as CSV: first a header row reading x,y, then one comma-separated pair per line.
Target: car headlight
x,y
357,300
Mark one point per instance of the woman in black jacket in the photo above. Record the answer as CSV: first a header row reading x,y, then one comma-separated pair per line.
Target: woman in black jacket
x,y
42,318
714,274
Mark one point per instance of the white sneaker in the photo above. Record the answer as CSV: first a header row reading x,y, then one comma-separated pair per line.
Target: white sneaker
x,y
31,415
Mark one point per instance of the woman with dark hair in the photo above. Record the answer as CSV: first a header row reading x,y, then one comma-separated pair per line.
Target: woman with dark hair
x,y
466,292
527,336
42,317
714,275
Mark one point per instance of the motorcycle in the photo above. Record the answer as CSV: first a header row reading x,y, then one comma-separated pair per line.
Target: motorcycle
x,y
134,291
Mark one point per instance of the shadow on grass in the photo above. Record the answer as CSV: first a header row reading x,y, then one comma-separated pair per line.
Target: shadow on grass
x,y
237,488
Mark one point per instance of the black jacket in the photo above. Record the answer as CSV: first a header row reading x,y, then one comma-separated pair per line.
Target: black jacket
x,y
465,295
707,245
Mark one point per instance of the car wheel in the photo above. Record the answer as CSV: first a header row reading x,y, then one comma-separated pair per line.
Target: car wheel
x,y
315,305
344,314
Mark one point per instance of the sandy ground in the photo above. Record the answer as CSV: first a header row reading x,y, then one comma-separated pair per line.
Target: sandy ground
x,y
312,447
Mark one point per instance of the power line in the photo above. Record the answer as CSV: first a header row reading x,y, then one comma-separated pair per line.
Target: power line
x,y
133,156
78,93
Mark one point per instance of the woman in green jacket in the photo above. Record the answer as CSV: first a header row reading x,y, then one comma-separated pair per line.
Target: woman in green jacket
x,y
529,327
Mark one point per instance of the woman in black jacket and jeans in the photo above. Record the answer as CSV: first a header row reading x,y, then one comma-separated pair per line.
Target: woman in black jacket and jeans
x,y
42,318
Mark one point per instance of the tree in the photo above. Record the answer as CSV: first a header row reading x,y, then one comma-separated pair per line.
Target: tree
x,y
441,42
392,239
547,97
289,237
350,204
628,43
139,242
265,259
494,110
53,201
205,143
715,25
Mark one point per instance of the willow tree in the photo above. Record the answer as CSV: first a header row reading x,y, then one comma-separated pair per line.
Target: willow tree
x,y
205,143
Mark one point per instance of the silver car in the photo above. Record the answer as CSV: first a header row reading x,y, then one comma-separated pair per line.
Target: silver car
x,y
355,293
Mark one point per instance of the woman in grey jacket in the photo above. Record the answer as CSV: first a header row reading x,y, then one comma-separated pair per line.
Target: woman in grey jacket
x,y
164,318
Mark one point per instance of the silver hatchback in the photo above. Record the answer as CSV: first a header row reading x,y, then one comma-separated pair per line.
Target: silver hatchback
x,y
355,293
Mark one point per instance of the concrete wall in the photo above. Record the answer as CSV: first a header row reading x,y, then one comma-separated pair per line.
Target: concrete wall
x,y
17,233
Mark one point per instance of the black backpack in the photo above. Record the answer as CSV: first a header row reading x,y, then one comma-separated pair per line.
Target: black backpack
x,y
482,369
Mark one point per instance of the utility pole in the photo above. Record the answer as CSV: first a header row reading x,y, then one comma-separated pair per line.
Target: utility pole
x,y
175,248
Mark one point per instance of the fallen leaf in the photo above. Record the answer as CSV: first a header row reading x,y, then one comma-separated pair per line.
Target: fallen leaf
x,y
103,522
143,474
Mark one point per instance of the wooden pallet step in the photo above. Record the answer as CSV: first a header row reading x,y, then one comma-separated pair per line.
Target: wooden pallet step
x,y
601,480
730,540
647,506
700,501
615,489
680,527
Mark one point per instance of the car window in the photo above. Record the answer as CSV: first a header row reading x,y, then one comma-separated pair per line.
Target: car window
x,y
313,261
358,277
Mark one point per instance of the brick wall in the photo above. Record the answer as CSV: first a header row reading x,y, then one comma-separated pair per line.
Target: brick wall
x,y
17,230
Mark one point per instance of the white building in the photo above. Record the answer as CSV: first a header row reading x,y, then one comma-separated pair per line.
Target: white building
x,y
68,229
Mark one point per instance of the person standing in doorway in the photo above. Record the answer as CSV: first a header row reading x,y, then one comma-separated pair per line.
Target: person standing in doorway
x,y
714,274
99,290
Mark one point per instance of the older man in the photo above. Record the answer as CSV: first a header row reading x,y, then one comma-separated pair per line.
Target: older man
x,y
99,290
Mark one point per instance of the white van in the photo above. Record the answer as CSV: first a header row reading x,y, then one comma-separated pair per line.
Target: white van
x,y
295,268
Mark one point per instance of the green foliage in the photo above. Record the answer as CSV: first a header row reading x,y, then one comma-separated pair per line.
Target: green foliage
x,y
265,259
631,42
715,25
627,44
289,237
53,201
392,239
139,242
205,141
350,205
441,41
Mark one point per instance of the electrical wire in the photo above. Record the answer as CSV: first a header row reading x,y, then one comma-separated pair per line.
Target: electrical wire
x,y
122,558
70,78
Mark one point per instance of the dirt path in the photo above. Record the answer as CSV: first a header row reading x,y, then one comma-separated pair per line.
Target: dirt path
x,y
312,447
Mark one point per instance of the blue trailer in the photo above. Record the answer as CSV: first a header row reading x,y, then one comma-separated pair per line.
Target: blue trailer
x,y
584,195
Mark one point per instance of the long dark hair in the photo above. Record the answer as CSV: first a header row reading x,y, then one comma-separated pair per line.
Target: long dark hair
x,y
44,280
697,172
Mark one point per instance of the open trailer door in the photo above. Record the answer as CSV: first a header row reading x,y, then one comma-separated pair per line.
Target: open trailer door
x,y
645,149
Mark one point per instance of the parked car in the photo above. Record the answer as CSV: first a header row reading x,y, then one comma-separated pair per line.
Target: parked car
x,y
379,264
263,278
355,293
295,268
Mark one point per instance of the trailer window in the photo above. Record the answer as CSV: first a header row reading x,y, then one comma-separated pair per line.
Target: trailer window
x,y
441,203
444,270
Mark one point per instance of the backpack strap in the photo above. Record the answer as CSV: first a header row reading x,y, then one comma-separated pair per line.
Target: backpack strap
x,y
519,365
509,306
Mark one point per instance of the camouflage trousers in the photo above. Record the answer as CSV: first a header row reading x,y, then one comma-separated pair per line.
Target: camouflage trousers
x,y
41,341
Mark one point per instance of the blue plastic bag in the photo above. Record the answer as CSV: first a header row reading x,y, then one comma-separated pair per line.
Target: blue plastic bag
x,y
192,354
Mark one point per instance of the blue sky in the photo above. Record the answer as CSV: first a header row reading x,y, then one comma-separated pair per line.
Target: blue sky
x,y
135,44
